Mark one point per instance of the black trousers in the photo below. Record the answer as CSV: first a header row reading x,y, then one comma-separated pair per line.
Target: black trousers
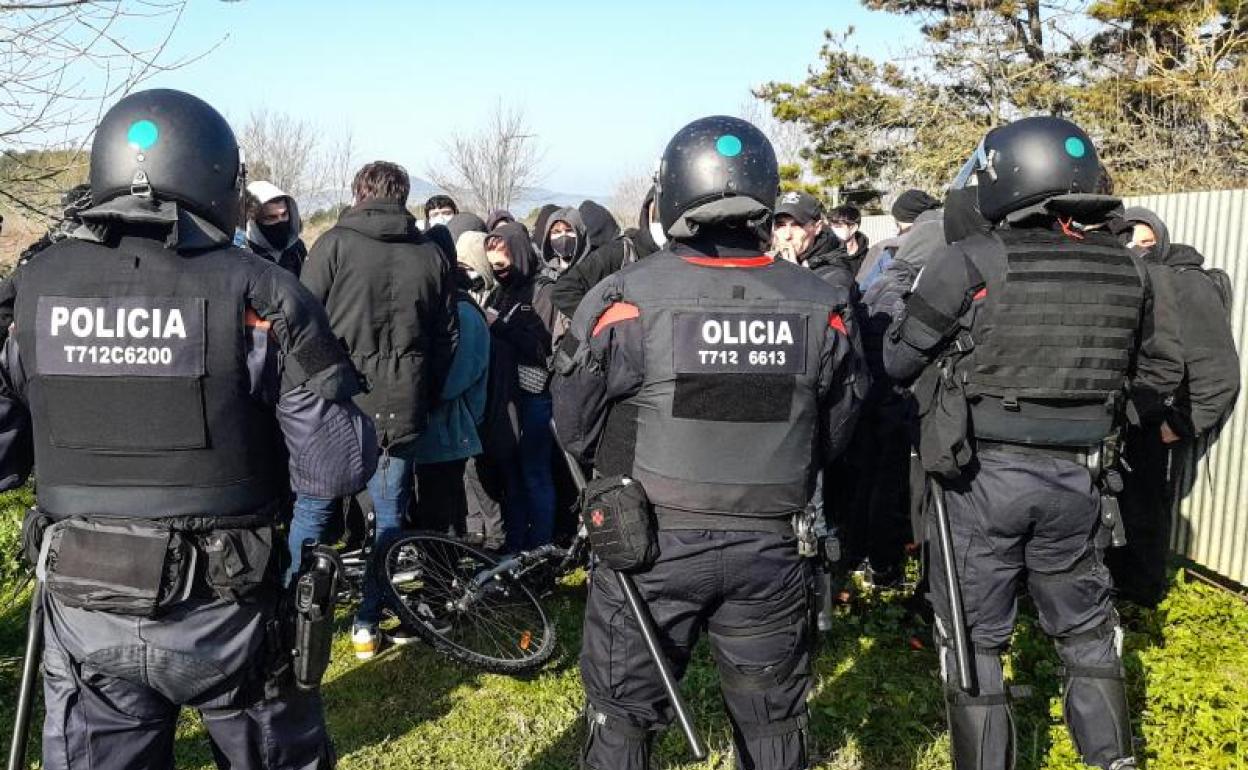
x,y
441,500
1147,499
867,490
750,592
113,686
1025,521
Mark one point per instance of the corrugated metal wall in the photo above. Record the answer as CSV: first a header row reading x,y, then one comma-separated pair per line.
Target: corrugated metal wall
x,y
1211,524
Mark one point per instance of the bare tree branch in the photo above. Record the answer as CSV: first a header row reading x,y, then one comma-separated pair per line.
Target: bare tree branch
x,y
491,168
62,63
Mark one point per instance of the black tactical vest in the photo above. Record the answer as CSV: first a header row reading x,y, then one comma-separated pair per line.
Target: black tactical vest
x,y
1055,336
727,415
138,387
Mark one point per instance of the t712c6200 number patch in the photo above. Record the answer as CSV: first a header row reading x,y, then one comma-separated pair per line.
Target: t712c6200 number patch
x,y
120,336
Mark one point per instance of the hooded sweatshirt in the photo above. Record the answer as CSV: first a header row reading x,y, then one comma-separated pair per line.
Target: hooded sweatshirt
x,y
539,224
390,299
463,222
631,245
599,222
518,326
1211,378
470,251
552,265
290,253
498,217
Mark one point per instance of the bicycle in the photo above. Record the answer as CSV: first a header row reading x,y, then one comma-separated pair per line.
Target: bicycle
x,y
473,608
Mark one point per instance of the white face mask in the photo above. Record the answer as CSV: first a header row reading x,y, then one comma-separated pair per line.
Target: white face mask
x,y
440,219
842,232
656,233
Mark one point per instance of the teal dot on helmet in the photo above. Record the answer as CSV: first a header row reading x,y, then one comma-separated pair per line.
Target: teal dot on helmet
x,y
1075,147
142,134
728,145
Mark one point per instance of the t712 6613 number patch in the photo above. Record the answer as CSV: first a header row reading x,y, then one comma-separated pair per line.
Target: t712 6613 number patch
x,y
120,336
739,343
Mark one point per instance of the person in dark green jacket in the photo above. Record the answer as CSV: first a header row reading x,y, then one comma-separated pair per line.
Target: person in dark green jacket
x,y
390,299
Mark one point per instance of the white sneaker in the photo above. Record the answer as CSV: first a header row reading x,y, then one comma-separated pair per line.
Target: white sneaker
x,y
365,641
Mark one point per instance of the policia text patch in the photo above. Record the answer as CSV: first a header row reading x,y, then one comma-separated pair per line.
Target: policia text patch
x,y
120,336
739,343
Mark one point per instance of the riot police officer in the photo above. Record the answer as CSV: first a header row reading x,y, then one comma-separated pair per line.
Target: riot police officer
x,y
1028,334
717,378
144,372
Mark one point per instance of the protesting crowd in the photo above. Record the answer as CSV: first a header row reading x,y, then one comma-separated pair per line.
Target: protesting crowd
x,y
1005,389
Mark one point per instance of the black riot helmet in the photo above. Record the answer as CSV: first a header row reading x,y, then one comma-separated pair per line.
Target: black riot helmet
x,y
1028,161
711,159
171,146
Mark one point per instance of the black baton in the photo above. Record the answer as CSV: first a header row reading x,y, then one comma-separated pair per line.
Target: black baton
x,y
637,606
30,672
961,645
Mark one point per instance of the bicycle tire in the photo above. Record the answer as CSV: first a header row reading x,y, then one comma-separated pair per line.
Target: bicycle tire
x,y
504,631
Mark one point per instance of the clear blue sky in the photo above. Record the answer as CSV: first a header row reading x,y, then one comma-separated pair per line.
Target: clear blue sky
x,y
603,84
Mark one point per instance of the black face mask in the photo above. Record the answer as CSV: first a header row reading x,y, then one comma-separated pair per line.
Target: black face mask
x,y
564,246
276,234
468,279
505,275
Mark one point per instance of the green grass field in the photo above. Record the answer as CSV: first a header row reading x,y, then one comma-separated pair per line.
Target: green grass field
x,y
876,705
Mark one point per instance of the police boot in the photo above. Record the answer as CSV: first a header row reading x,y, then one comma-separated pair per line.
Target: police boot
x,y
1095,706
981,726
614,744
1094,696
981,731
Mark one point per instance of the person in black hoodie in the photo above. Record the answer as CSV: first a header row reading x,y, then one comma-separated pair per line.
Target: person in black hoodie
x,y
390,299
1156,454
517,327
626,248
599,222
540,223
274,226
565,241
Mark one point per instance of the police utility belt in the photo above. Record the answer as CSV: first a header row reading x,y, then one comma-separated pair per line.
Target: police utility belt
x,y
146,567
620,523
1088,457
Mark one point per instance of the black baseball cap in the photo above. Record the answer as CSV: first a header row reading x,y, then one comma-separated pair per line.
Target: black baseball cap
x,y
803,207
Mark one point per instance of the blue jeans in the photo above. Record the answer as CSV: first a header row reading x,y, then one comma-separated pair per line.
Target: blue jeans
x,y
529,497
391,488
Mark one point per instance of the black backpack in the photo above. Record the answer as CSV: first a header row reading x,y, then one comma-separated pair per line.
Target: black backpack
x,y
1222,282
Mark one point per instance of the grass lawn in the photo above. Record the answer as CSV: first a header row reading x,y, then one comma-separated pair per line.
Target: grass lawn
x,y
876,706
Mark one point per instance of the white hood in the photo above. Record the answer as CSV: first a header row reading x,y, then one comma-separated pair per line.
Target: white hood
x,y
265,192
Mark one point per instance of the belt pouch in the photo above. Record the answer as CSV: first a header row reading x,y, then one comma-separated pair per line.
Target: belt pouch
x,y
122,567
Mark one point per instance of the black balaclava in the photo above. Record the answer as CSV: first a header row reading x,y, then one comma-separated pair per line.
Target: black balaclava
x,y
277,234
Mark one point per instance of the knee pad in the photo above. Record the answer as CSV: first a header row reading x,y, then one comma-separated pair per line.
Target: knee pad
x,y
612,743
767,704
981,726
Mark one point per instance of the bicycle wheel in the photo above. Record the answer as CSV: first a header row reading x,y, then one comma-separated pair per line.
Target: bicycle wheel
x,y
433,583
